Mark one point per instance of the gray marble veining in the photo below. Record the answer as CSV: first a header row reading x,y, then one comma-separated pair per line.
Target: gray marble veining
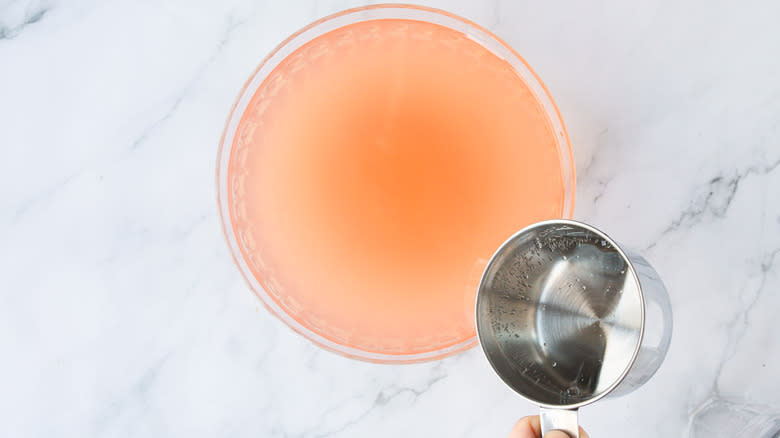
x,y
121,313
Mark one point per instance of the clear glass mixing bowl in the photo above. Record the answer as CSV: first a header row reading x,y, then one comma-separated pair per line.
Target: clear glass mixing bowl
x,y
325,25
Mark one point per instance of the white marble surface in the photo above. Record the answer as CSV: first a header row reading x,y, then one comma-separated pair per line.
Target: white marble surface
x,y
121,313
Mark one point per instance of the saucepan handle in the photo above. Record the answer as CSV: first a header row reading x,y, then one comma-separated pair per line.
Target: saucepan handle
x,y
560,419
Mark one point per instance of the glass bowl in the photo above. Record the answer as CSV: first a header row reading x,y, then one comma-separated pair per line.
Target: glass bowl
x,y
377,12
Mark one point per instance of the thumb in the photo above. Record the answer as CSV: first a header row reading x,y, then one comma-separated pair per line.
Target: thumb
x,y
529,427
560,434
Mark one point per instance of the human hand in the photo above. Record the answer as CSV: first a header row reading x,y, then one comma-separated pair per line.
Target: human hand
x,y
529,427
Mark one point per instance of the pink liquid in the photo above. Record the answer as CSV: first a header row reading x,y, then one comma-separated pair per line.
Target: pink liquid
x,y
375,172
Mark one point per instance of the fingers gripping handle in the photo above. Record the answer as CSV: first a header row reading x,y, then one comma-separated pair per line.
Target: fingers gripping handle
x,y
560,419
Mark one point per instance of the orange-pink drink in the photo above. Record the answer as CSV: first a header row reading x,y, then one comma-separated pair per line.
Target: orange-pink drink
x,y
376,170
